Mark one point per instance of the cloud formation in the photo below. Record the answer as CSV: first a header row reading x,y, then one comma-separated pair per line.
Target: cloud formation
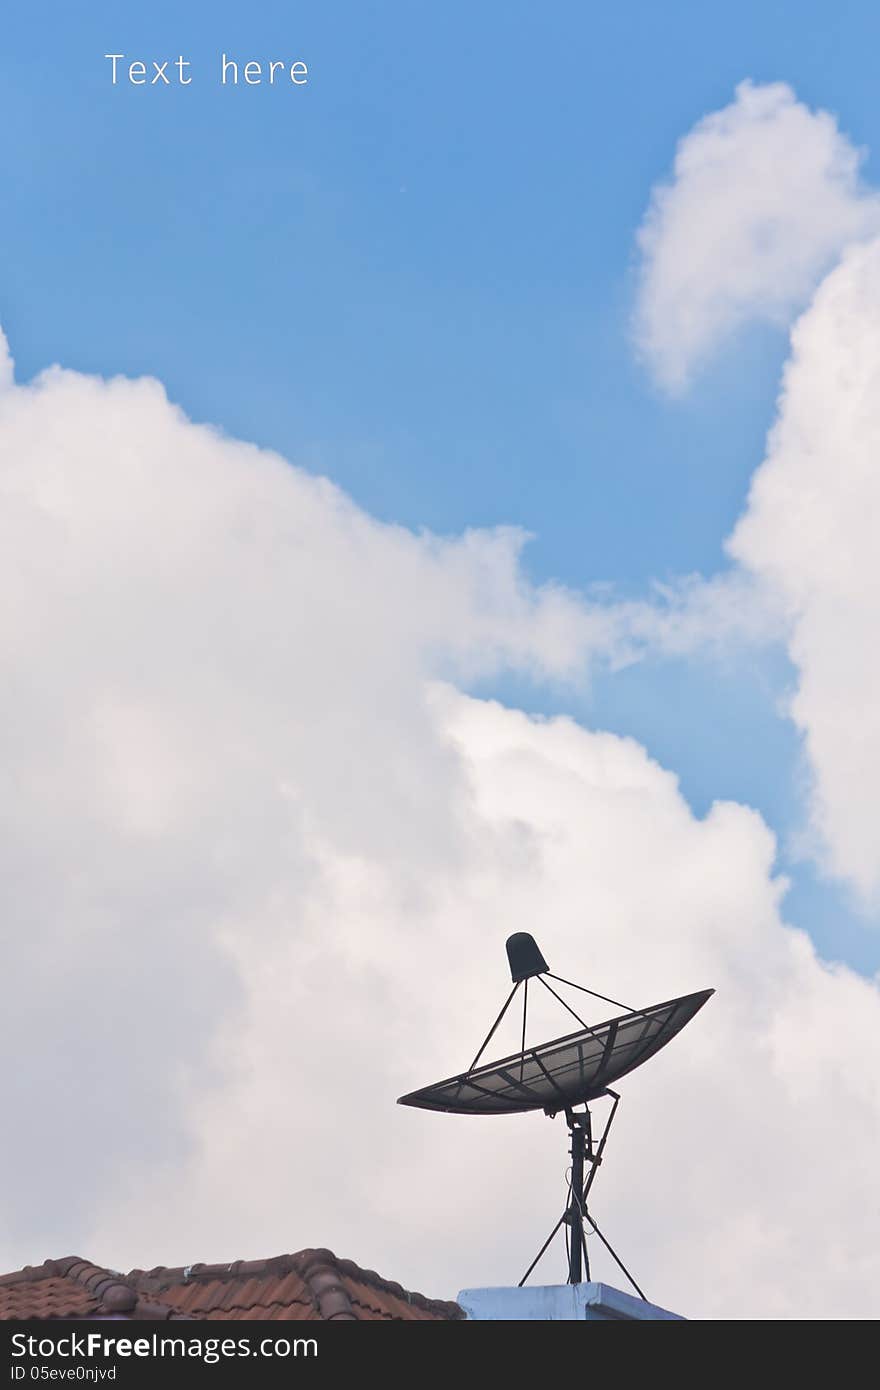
x,y
809,535
764,196
261,854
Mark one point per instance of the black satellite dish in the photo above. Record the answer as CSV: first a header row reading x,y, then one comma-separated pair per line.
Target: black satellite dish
x,y
557,1076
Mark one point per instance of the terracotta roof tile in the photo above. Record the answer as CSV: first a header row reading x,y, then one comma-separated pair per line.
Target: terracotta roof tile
x,y
44,1298
311,1285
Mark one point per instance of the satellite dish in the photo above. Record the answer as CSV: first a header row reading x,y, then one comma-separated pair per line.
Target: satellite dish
x,y
557,1076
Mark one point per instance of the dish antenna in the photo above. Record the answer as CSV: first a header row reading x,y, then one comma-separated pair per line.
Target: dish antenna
x,y
557,1076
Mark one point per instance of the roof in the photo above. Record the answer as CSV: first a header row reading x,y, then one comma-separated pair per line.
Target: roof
x,y
309,1286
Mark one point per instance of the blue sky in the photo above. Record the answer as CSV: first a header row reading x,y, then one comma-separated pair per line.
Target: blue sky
x,y
417,275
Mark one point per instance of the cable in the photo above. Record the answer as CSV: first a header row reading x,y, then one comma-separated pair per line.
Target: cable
x,y
604,997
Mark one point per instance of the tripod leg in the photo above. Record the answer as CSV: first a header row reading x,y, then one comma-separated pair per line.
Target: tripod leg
x,y
542,1250
616,1258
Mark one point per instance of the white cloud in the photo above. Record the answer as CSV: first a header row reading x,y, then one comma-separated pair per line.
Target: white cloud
x,y
7,366
809,535
254,840
764,196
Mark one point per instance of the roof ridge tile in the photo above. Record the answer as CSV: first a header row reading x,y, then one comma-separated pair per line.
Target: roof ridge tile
x,y
30,1274
372,1280
321,1273
112,1292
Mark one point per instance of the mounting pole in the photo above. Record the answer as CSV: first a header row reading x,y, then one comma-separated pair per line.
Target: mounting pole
x,y
578,1127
